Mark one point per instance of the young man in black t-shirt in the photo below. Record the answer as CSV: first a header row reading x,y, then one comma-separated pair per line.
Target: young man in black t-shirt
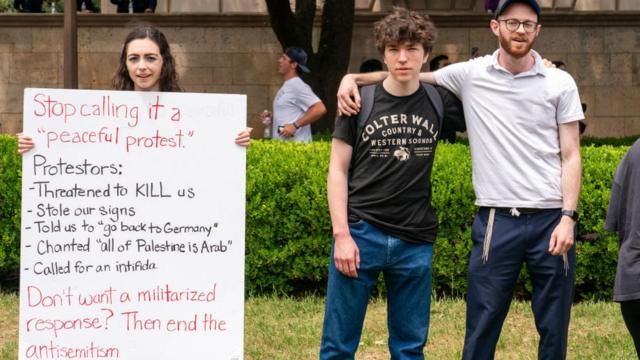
x,y
379,190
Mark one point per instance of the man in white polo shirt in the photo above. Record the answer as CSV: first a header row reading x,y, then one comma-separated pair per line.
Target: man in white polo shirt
x,y
522,122
295,106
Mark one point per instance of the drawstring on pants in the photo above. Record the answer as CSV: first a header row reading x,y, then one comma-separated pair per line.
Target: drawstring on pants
x,y
487,235
486,245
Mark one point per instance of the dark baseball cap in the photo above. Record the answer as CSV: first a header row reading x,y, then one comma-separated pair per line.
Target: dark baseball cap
x,y
299,56
504,4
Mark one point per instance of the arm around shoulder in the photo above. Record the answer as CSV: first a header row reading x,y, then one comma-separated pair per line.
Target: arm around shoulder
x,y
362,79
428,77
348,94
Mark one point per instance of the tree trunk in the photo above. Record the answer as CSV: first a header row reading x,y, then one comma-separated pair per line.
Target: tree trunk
x,y
331,61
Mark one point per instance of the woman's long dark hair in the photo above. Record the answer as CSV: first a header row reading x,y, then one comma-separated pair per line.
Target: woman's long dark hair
x,y
168,77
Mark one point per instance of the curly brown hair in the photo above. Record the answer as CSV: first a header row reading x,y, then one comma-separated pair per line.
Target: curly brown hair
x,y
168,76
403,25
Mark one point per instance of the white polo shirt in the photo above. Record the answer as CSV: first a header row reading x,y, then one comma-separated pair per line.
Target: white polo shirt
x,y
512,124
293,99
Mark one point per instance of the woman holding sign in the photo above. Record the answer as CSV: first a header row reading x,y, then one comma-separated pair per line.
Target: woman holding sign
x,y
146,64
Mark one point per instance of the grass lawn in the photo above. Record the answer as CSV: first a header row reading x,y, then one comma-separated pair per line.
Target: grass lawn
x,y
287,329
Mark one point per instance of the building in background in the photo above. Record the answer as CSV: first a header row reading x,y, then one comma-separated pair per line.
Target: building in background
x,y
227,46
259,6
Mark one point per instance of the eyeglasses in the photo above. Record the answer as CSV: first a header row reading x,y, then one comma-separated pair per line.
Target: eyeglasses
x,y
514,25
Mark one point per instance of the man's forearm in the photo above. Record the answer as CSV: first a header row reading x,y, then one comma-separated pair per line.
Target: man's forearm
x,y
428,77
374,77
313,114
369,78
571,165
337,187
337,196
571,180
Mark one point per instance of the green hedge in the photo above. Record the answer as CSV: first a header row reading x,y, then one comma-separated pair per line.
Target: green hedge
x,y
289,231
6,5
288,226
10,190
617,141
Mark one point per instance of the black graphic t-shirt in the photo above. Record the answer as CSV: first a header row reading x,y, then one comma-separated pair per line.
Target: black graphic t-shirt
x,y
390,173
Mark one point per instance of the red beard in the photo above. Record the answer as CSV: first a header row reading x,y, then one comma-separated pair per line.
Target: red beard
x,y
515,49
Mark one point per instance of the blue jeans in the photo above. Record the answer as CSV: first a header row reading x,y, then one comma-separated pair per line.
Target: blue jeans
x,y
407,274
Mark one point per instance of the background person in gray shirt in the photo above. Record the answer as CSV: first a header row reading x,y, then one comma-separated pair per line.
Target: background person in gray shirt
x,y
295,106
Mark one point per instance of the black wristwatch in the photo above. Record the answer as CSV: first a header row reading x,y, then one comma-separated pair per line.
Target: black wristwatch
x,y
573,214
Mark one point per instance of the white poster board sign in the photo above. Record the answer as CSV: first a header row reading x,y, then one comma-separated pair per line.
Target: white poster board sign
x,y
133,215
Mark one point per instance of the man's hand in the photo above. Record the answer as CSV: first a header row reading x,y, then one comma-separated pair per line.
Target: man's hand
x,y
288,130
346,256
562,237
348,96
